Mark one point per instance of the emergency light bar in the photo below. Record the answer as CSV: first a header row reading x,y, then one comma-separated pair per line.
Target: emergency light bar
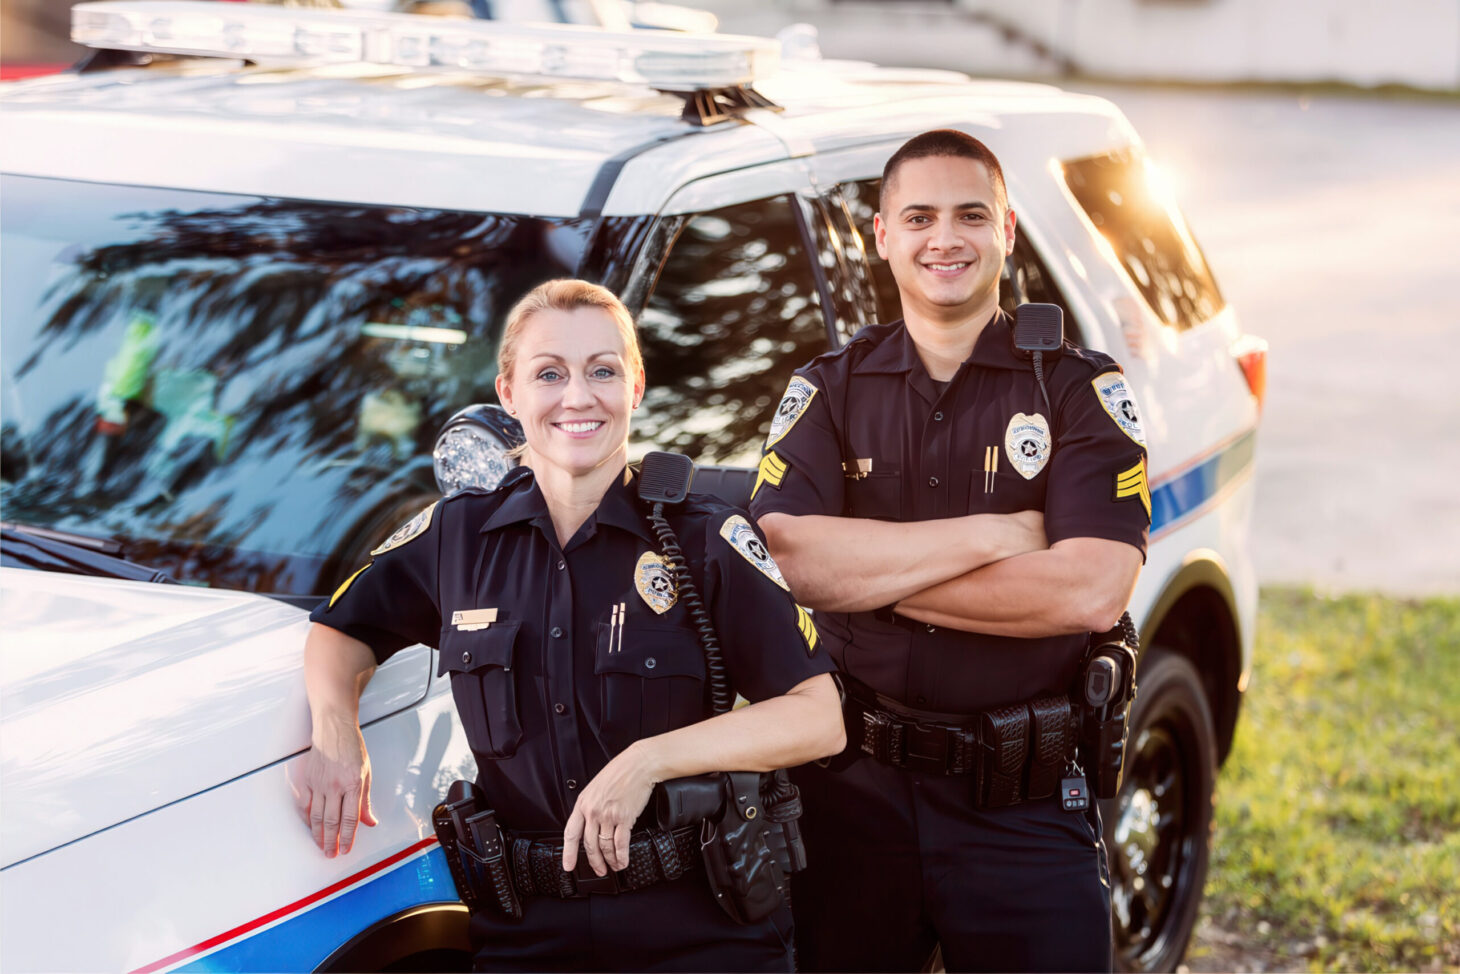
x,y
206,28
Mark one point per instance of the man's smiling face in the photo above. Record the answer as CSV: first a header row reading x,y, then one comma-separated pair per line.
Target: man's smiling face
x,y
945,231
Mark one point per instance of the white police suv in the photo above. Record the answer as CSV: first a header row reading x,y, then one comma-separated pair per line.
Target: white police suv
x,y
254,258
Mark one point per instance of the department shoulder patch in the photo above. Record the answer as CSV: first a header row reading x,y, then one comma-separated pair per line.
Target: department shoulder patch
x,y
654,580
742,537
772,471
1027,443
1116,397
1133,483
799,394
409,531
808,630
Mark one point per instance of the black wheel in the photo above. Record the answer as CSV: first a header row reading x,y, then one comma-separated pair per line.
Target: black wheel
x,y
1157,829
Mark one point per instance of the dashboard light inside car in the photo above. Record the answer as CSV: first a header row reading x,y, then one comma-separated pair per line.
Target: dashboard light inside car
x,y
474,449
668,61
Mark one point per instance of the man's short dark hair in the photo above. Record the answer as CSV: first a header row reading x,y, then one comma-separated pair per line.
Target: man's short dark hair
x,y
945,142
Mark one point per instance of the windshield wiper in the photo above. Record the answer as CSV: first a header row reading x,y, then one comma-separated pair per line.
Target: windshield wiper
x,y
60,551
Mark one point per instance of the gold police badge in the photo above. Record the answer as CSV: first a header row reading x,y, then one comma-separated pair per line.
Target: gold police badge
x,y
655,581
1026,442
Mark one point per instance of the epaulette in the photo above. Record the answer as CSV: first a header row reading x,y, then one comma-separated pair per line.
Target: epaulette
x,y
867,338
1091,359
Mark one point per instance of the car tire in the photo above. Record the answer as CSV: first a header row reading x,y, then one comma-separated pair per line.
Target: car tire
x,y
1158,827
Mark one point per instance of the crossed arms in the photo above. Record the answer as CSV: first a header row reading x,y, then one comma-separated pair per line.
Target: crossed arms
x,y
989,573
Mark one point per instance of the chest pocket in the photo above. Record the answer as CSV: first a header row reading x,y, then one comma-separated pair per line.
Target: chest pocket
x,y
878,494
483,685
651,679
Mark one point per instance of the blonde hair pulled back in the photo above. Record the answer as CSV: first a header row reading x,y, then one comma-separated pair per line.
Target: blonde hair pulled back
x,y
568,295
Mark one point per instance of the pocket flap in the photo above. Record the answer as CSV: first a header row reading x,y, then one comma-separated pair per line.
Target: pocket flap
x,y
462,652
650,652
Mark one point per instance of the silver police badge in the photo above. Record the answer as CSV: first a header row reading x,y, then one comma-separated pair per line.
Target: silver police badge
x,y
411,530
742,537
1116,397
655,581
798,396
1026,443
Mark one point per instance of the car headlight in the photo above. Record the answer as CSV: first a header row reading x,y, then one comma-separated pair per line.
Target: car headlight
x,y
474,447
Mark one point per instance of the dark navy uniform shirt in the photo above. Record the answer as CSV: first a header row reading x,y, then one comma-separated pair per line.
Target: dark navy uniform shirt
x,y
865,432
560,657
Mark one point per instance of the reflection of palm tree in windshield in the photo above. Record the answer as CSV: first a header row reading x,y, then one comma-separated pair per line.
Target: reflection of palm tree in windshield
x,y
269,342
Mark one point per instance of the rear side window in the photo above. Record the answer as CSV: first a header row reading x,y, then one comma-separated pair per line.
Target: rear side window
x,y
1130,204
733,313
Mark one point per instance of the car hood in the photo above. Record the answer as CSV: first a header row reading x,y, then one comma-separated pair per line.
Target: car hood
x,y
119,697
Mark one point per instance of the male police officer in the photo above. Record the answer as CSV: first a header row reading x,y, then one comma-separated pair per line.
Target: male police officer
x,y
891,493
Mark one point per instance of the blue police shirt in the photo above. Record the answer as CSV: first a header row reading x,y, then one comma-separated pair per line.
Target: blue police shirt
x,y
561,656
864,431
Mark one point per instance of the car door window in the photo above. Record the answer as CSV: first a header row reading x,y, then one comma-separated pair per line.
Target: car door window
x,y
733,312
1025,277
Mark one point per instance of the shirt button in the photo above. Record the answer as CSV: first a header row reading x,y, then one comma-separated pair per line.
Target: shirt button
x,y
932,481
937,417
649,663
466,659
557,632
559,709
932,629
922,701
562,565
572,784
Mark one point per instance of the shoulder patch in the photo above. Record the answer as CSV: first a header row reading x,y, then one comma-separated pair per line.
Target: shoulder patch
x,y
799,394
742,537
1118,401
409,531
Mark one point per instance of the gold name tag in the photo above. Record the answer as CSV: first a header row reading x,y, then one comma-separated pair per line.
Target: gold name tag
x,y
857,470
470,620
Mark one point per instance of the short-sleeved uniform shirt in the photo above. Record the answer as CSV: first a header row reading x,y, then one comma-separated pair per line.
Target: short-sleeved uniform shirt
x,y
561,656
865,432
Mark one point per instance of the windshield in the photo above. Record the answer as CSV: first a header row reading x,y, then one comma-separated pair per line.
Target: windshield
x,y
245,391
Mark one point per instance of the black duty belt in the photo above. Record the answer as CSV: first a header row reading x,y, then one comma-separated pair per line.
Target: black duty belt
x,y
655,856
1013,753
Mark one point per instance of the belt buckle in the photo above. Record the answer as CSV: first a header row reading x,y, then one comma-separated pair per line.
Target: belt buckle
x,y
585,880
926,748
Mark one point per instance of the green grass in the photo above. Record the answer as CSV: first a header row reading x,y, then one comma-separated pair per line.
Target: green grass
x,y
1337,842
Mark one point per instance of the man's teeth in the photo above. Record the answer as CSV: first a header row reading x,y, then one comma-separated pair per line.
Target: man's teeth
x,y
948,267
585,427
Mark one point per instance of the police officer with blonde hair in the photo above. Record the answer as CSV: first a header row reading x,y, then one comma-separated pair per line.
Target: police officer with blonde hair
x,y
589,640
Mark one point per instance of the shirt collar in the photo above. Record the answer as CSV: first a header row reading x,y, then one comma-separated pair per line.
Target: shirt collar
x,y
995,346
526,503
897,354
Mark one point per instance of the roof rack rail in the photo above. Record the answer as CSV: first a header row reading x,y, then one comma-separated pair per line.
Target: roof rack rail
x,y
670,62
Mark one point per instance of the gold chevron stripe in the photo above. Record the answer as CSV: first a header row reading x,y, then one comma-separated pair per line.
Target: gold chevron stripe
x,y
1132,483
345,585
772,471
808,630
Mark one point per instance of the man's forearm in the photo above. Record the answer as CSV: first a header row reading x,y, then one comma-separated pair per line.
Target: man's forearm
x,y
1079,585
846,564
